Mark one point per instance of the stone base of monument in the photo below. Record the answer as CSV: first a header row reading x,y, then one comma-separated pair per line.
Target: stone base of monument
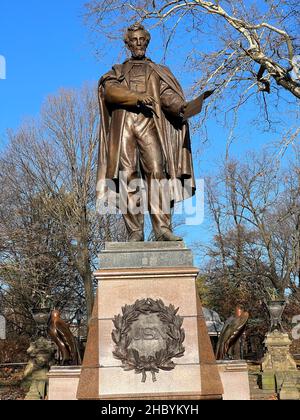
x,y
279,369
290,387
235,379
63,383
148,337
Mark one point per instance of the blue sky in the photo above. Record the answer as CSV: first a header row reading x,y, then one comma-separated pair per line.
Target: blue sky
x,y
47,46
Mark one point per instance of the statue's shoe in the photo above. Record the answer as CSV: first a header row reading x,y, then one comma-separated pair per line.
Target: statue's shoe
x,y
136,237
168,236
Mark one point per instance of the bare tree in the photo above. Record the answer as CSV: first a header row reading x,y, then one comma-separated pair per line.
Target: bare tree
x,y
255,207
252,34
244,49
254,253
50,232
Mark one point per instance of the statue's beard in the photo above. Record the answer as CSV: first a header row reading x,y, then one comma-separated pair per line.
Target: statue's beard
x,y
138,52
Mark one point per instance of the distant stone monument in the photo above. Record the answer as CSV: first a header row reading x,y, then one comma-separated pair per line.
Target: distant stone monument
x,y
279,369
41,356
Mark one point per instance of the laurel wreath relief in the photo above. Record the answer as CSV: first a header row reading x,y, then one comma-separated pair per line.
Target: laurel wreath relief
x,y
162,359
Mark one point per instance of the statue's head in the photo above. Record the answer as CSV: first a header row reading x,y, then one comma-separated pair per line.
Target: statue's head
x,y
240,311
55,314
137,39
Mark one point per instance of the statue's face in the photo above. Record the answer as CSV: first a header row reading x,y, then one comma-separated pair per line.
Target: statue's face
x,y
137,44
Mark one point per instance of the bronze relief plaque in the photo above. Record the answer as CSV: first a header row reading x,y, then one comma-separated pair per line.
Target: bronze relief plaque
x,y
148,336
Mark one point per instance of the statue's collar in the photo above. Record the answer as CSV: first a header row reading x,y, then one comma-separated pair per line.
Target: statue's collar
x,y
135,61
128,64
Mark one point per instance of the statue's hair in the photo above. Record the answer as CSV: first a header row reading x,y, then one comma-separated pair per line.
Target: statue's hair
x,y
136,27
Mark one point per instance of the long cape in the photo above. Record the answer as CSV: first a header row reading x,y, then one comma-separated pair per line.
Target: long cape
x,y
173,133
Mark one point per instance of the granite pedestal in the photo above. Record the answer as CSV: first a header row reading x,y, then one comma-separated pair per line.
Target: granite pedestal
x,y
63,383
143,272
235,380
279,369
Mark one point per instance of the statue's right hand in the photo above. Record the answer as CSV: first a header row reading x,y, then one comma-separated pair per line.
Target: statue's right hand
x,y
145,99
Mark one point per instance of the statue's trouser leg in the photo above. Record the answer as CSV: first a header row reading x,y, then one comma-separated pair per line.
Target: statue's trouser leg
x,y
130,192
131,202
151,162
141,148
157,205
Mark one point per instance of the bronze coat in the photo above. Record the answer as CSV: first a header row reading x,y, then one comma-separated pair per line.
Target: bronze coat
x,y
174,135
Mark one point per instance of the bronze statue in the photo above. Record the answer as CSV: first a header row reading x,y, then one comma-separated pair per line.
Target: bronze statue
x,y
228,346
60,333
144,134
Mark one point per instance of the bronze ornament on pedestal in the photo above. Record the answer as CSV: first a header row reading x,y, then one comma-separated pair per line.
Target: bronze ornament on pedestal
x,y
148,335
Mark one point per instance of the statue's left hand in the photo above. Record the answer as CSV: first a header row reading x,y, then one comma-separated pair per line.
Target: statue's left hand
x,y
195,107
